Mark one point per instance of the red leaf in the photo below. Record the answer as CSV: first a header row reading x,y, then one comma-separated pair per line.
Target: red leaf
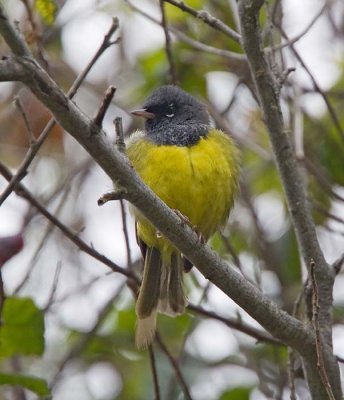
x,y
10,246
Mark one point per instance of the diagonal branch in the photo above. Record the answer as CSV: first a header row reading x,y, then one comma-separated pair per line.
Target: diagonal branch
x,y
207,18
34,148
94,140
25,194
279,323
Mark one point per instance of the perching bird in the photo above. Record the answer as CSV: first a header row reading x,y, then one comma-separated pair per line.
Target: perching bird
x,y
194,169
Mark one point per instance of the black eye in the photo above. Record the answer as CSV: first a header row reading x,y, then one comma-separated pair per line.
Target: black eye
x,y
170,111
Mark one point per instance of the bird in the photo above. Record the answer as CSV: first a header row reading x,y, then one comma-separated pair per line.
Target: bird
x,y
194,168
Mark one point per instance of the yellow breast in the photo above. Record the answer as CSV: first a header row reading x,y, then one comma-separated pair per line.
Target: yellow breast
x,y
200,180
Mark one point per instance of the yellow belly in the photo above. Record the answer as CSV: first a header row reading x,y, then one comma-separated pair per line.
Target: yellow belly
x,y
200,181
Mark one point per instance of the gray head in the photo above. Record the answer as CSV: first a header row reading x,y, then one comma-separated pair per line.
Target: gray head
x,y
173,117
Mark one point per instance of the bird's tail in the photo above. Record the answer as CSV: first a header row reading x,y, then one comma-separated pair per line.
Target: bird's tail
x,y
161,291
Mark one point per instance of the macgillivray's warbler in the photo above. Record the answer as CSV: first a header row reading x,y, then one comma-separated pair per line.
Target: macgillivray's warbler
x,y
194,169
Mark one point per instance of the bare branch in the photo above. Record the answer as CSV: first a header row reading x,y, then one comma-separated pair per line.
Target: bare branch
x,y
154,373
20,108
12,36
238,61
120,143
12,74
24,193
301,34
83,342
277,322
172,72
208,19
321,178
292,182
316,86
176,368
240,326
318,341
118,194
119,135
338,264
108,96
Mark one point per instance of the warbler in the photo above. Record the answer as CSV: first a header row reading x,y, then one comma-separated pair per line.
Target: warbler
x,y
194,169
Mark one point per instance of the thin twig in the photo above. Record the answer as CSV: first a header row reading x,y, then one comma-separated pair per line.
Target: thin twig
x,y
126,234
240,326
338,264
208,19
223,124
300,35
238,61
118,194
45,235
330,108
340,359
120,143
22,170
318,341
20,108
18,393
85,339
232,98
108,96
263,247
321,178
154,373
230,249
321,209
172,69
176,368
36,35
54,286
331,230
24,193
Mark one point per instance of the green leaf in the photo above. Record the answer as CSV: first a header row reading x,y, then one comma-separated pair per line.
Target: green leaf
x,y
36,385
47,10
239,393
22,331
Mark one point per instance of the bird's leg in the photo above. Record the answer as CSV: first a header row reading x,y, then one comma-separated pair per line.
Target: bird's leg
x,y
186,221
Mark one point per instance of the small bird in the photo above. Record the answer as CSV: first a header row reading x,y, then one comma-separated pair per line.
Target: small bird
x,y
194,169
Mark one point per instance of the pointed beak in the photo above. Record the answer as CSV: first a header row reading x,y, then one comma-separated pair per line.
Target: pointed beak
x,y
143,113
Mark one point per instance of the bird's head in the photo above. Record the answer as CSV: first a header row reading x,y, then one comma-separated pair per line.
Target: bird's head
x,y
172,116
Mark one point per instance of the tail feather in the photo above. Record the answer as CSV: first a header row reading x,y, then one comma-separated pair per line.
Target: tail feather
x,y
149,293
145,331
172,300
148,299
176,297
164,283
161,290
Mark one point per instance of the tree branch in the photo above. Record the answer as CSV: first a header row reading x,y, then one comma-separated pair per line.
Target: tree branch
x,y
280,324
34,148
25,194
207,18
94,140
291,178
12,36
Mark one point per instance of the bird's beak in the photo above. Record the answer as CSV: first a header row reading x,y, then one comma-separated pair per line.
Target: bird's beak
x,y
143,113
